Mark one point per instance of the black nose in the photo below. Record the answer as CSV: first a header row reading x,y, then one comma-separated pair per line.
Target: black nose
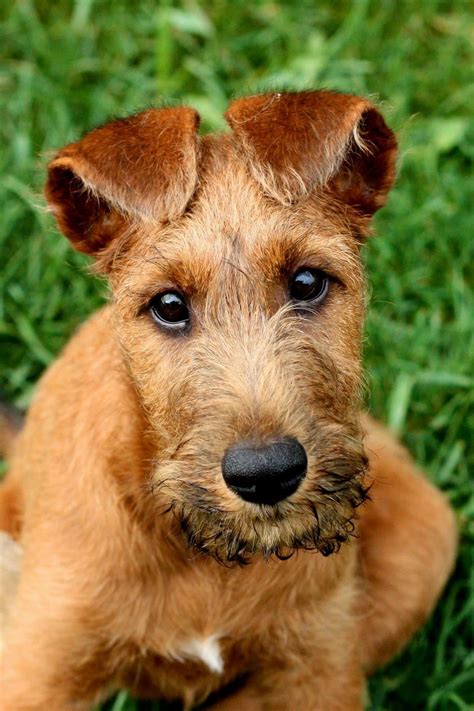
x,y
265,474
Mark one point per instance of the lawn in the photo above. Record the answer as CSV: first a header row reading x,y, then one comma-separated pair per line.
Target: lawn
x,y
68,66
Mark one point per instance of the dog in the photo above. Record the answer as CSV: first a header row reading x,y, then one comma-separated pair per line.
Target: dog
x,y
198,508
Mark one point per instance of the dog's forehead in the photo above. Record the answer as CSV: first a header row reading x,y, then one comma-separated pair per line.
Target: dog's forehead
x,y
229,205
231,220
234,206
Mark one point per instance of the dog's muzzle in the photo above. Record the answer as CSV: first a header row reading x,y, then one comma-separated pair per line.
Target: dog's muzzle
x,y
265,474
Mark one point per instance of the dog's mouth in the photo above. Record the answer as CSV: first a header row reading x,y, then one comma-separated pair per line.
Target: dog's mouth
x,y
318,516
320,519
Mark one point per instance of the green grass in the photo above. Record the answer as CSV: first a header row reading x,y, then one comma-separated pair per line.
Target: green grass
x,y
70,65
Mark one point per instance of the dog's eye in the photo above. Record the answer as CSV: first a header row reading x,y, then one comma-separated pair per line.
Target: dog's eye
x,y
169,309
309,285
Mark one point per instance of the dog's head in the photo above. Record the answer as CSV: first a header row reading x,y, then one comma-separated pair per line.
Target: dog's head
x,y
239,296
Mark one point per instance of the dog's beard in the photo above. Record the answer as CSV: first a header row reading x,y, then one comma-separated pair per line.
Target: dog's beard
x,y
320,521
319,518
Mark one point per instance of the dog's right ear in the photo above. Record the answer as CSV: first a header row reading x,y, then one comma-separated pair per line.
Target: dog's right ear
x,y
141,167
297,142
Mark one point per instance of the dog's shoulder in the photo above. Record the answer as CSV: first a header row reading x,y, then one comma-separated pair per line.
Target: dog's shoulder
x,y
87,388
91,353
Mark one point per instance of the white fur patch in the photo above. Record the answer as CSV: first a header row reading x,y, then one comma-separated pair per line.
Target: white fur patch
x,y
206,650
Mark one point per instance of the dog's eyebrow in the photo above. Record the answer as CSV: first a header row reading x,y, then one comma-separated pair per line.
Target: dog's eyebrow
x,y
338,265
284,253
188,270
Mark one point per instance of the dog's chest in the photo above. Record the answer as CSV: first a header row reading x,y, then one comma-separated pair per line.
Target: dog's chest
x,y
204,618
210,616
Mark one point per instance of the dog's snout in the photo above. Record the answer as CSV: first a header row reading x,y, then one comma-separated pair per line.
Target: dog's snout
x,y
265,474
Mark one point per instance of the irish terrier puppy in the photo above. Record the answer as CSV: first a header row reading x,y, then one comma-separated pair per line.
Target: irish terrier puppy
x,y
200,505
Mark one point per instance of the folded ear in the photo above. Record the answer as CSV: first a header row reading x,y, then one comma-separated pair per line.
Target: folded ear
x,y
144,166
298,141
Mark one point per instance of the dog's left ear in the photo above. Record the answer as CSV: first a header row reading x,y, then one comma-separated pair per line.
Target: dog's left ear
x,y
140,168
296,142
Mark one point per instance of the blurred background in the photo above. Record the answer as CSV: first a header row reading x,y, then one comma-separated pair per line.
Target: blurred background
x,y
68,65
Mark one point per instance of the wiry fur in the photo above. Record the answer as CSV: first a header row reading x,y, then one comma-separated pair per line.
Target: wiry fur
x,y
319,519
115,489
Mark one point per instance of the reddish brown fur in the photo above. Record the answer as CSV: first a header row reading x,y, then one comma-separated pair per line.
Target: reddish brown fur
x,y
97,181
116,475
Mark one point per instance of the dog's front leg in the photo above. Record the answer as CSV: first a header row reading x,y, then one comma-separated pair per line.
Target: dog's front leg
x,y
309,662
52,658
306,688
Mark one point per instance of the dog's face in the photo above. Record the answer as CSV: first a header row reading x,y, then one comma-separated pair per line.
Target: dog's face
x,y
238,294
